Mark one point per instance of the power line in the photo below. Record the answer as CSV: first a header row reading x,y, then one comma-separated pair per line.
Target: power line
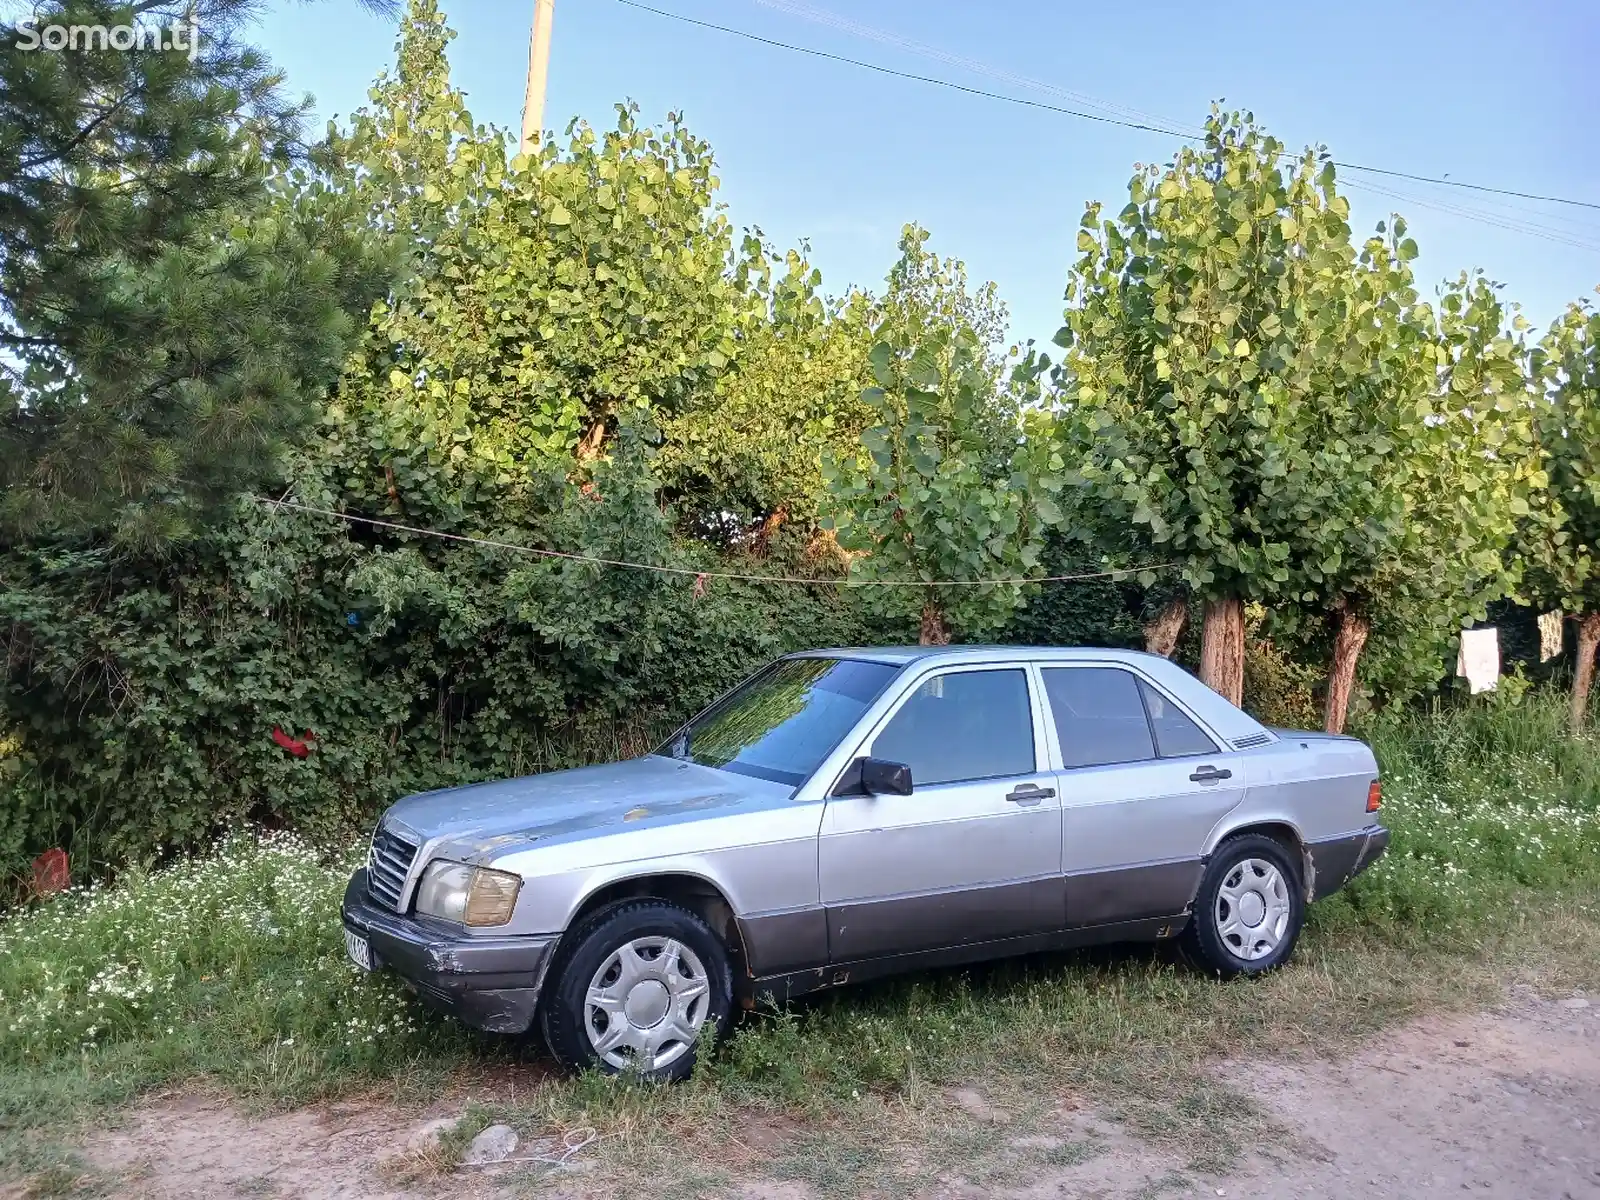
x,y
1074,112
1472,187
820,16
882,70
691,572
1498,220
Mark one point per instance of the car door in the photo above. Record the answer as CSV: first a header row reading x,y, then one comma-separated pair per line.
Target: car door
x,y
973,854
1141,783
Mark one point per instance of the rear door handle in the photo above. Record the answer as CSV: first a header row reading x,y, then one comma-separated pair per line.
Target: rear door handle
x,y
1210,775
1030,794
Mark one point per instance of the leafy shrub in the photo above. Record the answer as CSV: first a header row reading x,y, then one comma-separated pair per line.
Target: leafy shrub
x,y
1278,690
1482,799
143,695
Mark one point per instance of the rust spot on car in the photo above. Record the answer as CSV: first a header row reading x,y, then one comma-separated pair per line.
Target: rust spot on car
x,y
633,814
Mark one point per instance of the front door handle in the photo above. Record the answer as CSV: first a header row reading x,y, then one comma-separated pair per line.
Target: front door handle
x,y
1030,794
1211,775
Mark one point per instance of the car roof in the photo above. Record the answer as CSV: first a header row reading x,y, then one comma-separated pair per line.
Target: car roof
x,y
903,655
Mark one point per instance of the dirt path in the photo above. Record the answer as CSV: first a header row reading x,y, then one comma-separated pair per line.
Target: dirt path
x,y
1501,1104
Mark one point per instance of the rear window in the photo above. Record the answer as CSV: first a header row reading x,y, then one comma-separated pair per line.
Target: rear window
x,y
1176,734
1105,715
1099,716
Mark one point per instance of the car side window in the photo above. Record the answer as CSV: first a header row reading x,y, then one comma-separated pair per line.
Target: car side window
x,y
962,726
1099,716
1176,734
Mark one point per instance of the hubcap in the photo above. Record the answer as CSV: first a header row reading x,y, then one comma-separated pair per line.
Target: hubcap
x,y
1253,908
646,1004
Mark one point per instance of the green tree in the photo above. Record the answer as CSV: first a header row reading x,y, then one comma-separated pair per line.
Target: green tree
x,y
552,299
176,278
1223,400
747,454
941,487
1424,467
1563,569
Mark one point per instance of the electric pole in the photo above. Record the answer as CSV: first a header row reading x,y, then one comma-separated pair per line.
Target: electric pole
x,y
544,15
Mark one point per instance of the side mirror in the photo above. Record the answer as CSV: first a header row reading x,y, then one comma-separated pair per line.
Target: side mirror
x,y
880,777
874,777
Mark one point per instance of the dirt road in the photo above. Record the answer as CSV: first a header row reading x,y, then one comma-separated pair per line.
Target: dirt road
x,y
1498,1104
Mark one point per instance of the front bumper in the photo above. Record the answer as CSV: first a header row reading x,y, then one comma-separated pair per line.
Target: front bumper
x,y
1337,861
490,983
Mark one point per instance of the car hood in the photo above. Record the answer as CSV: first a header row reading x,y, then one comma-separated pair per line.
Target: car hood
x,y
653,789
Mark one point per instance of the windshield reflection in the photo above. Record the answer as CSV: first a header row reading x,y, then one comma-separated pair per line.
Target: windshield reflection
x,y
781,723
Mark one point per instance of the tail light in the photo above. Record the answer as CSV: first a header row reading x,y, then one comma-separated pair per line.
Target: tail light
x,y
1374,796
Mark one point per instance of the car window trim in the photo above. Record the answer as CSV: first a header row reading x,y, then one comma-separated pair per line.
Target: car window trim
x,y
1058,755
914,680
915,787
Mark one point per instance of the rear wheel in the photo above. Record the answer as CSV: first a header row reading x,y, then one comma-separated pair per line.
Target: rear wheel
x,y
1249,910
635,988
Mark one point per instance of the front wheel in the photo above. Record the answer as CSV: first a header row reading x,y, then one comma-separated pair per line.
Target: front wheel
x,y
1249,910
634,989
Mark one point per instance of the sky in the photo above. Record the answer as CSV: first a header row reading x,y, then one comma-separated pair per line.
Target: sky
x,y
1495,94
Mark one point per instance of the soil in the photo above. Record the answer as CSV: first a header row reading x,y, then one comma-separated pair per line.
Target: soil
x,y
1496,1104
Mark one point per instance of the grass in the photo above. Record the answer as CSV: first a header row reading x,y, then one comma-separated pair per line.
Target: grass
x,y
230,969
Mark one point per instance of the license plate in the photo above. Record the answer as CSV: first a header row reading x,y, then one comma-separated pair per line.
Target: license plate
x,y
358,949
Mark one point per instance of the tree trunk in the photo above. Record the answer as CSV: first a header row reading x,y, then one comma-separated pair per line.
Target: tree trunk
x,y
1583,677
1161,635
593,438
934,631
1222,648
769,527
1349,639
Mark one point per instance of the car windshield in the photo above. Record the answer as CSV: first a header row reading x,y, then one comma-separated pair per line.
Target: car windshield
x,y
779,724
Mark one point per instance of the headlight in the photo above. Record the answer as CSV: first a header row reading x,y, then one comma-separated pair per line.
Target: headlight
x,y
466,894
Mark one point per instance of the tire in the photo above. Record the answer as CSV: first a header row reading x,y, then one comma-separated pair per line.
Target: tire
x,y
1230,933
633,988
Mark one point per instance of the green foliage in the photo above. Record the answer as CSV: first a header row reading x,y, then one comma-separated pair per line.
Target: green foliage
x,y
1473,480
942,485
578,359
551,300
1278,691
142,689
753,446
1201,320
175,290
1094,612
142,694
129,962
1443,394
1561,550
1247,393
1480,799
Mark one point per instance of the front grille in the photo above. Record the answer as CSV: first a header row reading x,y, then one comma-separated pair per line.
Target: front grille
x,y
388,864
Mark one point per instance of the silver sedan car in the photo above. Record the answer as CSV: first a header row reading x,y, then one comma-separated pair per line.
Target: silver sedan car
x,y
848,814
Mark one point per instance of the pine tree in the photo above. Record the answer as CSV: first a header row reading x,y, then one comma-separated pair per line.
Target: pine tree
x,y
178,282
